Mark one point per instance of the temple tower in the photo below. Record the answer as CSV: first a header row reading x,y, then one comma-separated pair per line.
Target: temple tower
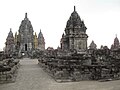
x,y
41,41
9,43
26,37
75,37
116,43
35,41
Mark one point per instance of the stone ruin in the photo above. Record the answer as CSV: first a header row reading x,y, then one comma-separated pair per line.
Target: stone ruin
x,y
99,64
8,68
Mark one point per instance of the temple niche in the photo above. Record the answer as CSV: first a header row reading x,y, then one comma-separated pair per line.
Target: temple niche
x,y
75,37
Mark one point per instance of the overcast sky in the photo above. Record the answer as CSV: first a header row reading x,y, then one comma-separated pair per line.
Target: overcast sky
x,y
101,17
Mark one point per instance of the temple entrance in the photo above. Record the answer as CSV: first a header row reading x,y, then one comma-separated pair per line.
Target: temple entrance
x,y
25,47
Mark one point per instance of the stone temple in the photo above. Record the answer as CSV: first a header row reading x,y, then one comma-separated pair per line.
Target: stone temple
x,y
75,37
25,41
73,61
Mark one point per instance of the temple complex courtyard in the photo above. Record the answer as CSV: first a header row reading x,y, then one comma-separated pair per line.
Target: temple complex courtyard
x,y
32,77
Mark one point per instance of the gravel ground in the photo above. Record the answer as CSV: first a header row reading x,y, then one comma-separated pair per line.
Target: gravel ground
x,y
32,77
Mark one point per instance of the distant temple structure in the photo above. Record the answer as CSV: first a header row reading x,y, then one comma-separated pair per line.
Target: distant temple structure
x,y
9,42
93,46
41,41
75,37
116,44
25,41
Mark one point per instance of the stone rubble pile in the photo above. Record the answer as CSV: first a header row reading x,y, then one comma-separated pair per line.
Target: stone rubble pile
x,y
101,65
8,70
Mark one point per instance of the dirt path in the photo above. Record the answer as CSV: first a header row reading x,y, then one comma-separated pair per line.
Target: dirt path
x,y
32,77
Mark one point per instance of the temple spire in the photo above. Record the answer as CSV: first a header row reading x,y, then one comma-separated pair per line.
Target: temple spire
x,y
25,15
74,8
10,29
41,41
63,35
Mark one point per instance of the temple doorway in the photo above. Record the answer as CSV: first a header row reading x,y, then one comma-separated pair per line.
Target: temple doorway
x,y
25,47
